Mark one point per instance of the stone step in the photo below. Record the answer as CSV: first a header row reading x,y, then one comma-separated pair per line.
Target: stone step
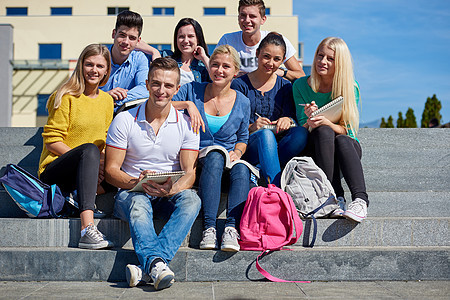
x,y
333,264
382,204
374,231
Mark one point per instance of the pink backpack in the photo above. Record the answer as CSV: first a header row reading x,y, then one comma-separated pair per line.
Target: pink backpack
x,y
269,222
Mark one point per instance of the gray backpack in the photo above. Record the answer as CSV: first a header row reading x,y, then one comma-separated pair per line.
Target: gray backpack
x,y
310,189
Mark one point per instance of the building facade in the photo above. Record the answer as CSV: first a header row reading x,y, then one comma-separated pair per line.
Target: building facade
x,y
48,36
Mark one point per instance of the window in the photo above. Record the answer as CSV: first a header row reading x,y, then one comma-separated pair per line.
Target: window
x,y
211,48
61,11
17,11
113,11
42,102
163,11
208,11
49,51
268,11
161,47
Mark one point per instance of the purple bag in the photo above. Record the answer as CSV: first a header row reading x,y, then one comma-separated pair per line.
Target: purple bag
x,y
35,198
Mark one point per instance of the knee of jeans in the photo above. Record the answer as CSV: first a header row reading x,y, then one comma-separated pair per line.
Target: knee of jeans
x,y
300,134
189,200
267,136
240,171
214,160
342,141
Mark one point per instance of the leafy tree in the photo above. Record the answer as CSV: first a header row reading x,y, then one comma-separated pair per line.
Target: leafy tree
x,y
390,122
383,123
410,121
400,122
432,110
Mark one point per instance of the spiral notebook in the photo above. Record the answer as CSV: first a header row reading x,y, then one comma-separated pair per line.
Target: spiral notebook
x,y
332,111
159,177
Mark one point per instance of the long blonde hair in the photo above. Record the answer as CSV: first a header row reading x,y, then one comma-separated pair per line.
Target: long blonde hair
x,y
229,50
75,85
343,81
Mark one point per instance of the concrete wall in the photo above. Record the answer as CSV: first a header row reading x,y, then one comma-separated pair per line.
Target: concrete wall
x,y
6,54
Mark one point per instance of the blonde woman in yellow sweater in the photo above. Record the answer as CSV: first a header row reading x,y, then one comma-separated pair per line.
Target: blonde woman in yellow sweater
x,y
79,115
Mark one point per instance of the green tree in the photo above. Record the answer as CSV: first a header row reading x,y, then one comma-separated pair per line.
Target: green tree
x,y
400,122
383,123
432,110
390,122
410,121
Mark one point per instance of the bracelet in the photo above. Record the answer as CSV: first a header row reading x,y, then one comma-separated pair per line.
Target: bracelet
x,y
284,74
242,153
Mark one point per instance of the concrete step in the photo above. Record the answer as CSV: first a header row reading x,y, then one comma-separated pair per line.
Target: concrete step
x,y
373,232
382,204
333,264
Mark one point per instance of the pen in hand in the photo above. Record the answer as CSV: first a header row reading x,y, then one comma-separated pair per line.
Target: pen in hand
x,y
258,115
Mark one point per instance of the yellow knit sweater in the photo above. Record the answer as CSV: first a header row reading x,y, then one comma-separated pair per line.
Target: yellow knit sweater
x,y
77,121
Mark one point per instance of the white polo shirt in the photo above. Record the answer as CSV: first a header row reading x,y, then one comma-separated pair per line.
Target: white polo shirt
x,y
249,62
145,150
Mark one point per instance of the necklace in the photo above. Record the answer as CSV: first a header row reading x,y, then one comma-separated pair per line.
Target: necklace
x,y
214,102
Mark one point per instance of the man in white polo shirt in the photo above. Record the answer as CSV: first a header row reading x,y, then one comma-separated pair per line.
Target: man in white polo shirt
x,y
252,15
154,137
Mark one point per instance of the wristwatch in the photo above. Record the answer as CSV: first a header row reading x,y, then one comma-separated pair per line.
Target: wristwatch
x,y
285,72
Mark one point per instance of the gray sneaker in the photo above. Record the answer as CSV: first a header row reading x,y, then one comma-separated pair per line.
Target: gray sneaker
x,y
94,239
356,211
230,239
136,276
162,276
209,240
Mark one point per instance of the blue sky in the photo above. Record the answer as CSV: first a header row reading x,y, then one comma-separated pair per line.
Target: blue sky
x,y
400,49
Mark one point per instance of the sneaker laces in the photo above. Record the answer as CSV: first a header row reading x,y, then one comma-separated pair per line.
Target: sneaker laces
x,y
95,233
356,206
209,231
230,233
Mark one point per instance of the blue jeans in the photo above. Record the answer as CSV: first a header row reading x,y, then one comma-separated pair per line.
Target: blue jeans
x,y
138,209
209,190
271,153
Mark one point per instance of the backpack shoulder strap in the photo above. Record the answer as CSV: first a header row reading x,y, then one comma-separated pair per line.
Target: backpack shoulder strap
x,y
267,274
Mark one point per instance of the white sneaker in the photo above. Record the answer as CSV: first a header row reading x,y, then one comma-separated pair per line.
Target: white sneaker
x,y
230,239
357,210
209,239
136,276
162,276
338,212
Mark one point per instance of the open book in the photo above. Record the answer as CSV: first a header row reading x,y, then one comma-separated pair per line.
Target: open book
x,y
130,104
159,177
332,111
228,163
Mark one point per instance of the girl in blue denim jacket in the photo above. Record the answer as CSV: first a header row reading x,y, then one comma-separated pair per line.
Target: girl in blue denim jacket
x,y
225,113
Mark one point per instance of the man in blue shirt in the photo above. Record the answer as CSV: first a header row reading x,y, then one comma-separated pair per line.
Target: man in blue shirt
x,y
129,68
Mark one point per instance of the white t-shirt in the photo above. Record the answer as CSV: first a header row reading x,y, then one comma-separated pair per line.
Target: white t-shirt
x,y
130,131
247,54
186,77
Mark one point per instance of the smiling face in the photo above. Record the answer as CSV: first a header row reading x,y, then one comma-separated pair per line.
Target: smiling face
x,y
162,85
187,39
222,69
270,58
324,63
125,40
250,19
94,69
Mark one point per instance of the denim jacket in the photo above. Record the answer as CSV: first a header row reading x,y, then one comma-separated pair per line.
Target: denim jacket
x,y
235,129
197,67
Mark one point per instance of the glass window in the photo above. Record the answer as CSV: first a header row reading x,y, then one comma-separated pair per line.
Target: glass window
x,y
17,11
61,11
267,11
161,47
42,102
49,51
213,11
163,11
113,11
